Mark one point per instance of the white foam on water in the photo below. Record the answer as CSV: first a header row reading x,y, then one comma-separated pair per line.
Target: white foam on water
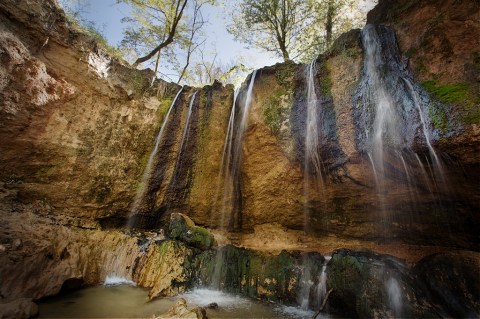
x,y
203,297
117,280
295,312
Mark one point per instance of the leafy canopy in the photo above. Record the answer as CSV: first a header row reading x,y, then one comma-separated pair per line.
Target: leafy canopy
x,y
292,29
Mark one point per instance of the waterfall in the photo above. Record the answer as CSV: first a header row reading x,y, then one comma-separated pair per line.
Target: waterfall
x,y
313,285
236,155
185,136
385,129
390,110
393,122
322,283
313,162
395,297
147,172
230,166
225,163
394,133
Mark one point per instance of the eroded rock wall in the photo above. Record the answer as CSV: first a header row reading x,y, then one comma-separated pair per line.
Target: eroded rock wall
x,y
78,128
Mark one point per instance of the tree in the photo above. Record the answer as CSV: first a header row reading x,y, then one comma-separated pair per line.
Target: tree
x,y
292,29
153,26
171,30
192,43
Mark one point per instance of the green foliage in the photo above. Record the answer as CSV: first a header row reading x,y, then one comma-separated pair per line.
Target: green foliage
x,y
292,29
165,34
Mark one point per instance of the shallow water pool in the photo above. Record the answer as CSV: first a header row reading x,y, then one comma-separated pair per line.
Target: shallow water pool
x,y
126,301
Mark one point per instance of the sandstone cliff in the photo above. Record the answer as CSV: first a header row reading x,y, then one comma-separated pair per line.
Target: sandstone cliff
x,y
78,127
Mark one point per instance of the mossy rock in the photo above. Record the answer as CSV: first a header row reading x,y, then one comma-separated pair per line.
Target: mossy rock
x,y
183,228
365,285
456,93
452,281
257,274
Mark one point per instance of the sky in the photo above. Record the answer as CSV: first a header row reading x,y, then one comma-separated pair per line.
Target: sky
x,y
107,16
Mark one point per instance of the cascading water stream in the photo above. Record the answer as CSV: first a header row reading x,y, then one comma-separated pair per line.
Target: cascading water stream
x,y
231,160
185,136
236,149
385,121
147,172
115,274
312,162
394,122
313,286
322,283
227,188
395,297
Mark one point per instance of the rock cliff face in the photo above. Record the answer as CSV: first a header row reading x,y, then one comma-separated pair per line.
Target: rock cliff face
x,y
78,130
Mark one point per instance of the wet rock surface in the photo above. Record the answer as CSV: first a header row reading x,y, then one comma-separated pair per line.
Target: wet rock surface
x,y
94,133
369,285
78,127
451,282
274,277
180,310
23,308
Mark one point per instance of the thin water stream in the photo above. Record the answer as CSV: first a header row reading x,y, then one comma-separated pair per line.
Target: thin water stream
x,y
148,169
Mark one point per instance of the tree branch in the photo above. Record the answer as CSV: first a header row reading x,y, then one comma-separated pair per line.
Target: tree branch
x,y
323,304
170,38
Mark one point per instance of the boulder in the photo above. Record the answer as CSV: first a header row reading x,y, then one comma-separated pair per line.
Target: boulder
x,y
184,229
260,275
166,268
370,285
452,282
180,310
19,309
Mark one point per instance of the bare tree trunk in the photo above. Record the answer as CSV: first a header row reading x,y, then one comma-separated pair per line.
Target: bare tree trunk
x,y
329,22
156,68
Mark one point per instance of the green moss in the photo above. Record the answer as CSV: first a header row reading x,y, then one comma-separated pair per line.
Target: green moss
x,y
284,75
405,6
448,93
438,115
325,81
165,104
184,229
138,82
472,116
45,171
411,52
351,53
274,113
